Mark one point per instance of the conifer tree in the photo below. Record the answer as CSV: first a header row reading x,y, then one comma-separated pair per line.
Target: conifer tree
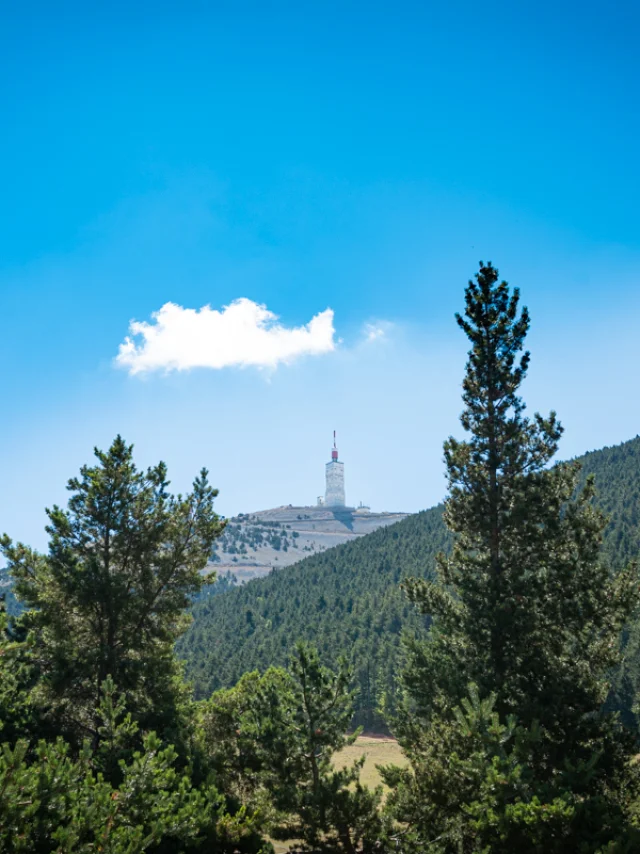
x,y
52,801
16,680
109,597
524,608
271,740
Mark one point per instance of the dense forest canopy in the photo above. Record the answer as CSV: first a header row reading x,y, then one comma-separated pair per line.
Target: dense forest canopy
x,y
348,600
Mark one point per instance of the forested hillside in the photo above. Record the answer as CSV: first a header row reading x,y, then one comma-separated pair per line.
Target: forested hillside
x,y
617,474
348,600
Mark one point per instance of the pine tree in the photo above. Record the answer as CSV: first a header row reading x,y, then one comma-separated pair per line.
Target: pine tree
x,y
51,802
271,740
16,681
109,598
523,607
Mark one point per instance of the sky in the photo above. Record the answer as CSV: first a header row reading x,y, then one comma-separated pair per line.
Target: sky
x,y
231,228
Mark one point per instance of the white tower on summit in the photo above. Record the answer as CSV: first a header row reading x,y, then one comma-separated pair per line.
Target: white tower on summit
x,y
334,494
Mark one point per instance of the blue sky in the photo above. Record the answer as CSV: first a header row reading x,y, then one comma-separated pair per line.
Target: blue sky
x,y
347,156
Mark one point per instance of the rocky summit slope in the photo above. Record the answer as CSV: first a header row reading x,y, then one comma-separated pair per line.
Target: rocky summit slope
x,y
255,543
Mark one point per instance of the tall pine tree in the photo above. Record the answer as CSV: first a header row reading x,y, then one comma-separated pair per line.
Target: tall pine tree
x,y
109,597
524,610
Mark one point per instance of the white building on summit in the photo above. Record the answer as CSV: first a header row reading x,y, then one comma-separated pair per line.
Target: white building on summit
x,y
334,490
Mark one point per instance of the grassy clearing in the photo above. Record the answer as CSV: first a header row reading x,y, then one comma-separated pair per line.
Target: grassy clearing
x,y
378,751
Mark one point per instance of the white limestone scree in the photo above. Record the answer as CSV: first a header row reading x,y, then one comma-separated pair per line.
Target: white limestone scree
x,y
334,475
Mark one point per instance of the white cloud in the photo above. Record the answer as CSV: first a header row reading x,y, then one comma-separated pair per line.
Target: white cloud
x,y
376,331
242,334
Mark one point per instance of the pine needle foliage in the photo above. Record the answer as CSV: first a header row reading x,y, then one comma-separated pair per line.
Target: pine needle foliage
x,y
523,607
109,597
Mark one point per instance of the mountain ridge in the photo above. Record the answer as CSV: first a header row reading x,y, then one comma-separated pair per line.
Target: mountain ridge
x,y
348,600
